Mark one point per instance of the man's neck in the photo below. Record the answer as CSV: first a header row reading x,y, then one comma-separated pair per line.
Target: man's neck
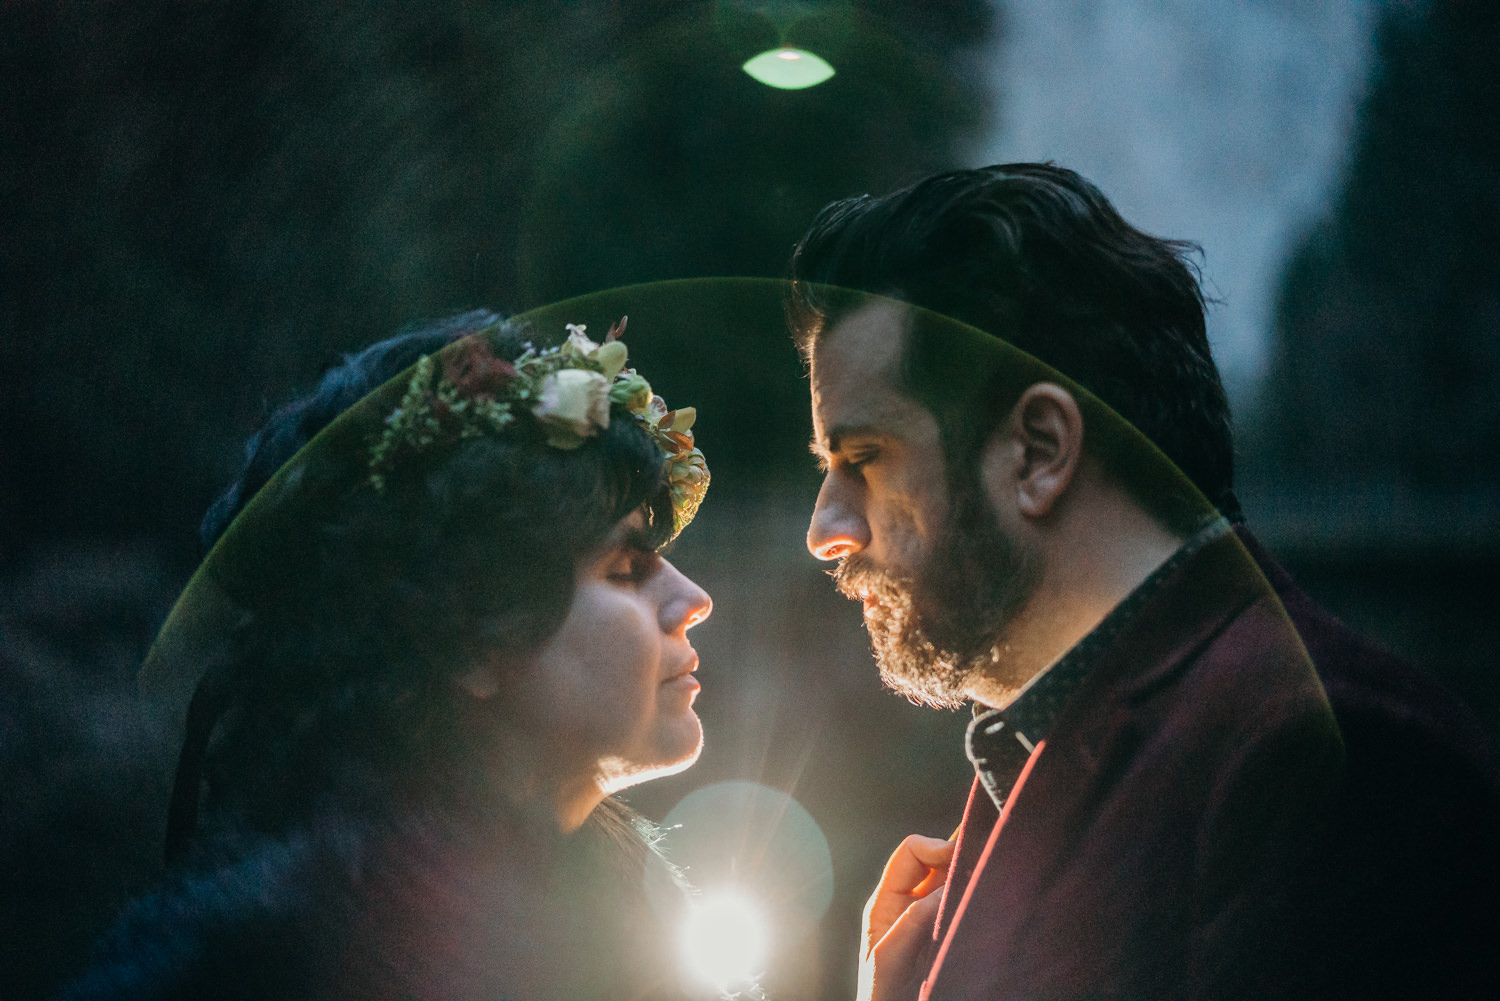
x,y
1100,548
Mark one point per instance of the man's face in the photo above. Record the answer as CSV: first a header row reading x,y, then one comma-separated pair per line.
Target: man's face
x,y
935,574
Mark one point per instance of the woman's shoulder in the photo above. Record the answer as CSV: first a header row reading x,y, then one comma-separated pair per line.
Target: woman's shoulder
x,y
254,924
402,910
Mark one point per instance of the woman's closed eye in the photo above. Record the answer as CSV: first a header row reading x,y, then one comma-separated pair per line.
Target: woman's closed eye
x,y
633,566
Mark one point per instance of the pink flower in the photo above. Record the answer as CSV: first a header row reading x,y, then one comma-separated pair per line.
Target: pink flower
x,y
475,372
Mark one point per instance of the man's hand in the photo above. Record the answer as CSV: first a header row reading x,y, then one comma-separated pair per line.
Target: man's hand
x,y
899,918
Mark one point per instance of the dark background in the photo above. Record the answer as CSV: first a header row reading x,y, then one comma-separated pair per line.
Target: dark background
x,y
202,205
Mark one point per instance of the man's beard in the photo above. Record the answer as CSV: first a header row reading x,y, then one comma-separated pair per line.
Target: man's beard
x,y
935,631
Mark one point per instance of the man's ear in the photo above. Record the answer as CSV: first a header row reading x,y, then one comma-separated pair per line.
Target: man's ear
x,y
1043,444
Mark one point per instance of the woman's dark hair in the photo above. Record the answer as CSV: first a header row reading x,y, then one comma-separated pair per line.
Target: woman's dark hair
x,y
296,422
1037,256
344,682
354,832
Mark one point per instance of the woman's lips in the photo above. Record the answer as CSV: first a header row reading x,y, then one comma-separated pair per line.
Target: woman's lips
x,y
682,683
683,680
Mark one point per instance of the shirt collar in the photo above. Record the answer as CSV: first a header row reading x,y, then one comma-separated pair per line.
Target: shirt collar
x,y
996,737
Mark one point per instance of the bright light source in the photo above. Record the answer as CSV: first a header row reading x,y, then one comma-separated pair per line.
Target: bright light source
x,y
787,68
724,940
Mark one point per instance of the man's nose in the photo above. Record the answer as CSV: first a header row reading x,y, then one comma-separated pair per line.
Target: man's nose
x,y
838,526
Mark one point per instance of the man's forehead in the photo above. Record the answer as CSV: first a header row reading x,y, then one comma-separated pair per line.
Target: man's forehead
x,y
855,365
866,341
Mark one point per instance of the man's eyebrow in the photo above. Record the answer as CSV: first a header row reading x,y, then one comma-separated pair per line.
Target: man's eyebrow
x,y
822,454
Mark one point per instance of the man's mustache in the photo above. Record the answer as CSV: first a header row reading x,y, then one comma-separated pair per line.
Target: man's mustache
x,y
857,577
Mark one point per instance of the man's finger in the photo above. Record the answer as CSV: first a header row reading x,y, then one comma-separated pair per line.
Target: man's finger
x,y
913,861
909,934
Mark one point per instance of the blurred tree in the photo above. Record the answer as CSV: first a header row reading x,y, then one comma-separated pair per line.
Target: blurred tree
x,y
1376,450
1388,348
203,204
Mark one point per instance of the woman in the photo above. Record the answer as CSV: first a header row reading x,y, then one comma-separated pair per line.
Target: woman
x,y
431,647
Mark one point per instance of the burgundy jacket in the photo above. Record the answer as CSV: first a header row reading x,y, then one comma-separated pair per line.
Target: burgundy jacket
x,y
1156,843
1404,893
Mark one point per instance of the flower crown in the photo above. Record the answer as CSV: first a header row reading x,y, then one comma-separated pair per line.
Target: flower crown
x,y
568,390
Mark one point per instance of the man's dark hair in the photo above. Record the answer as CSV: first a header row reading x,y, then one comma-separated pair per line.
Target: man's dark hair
x,y
1036,255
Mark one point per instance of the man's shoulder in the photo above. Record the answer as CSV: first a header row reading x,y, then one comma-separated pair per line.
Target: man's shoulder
x,y
1409,855
1216,634
1378,697
1155,836
1204,681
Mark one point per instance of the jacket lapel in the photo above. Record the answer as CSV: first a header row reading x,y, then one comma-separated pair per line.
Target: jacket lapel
x,y
1003,863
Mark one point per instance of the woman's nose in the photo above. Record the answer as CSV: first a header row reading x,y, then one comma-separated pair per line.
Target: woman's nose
x,y
686,603
838,527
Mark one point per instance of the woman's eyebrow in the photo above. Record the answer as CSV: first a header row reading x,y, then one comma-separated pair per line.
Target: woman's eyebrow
x,y
630,534
638,537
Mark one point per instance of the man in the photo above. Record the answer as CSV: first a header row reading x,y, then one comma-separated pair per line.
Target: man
x,y
1160,808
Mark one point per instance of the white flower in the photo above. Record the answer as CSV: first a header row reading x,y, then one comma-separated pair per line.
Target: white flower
x,y
573,402
578,342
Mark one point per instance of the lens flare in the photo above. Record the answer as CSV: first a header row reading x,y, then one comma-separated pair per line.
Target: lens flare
x,y
724,940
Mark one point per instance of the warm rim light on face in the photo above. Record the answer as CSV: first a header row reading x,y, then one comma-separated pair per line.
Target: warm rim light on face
x,y
724,940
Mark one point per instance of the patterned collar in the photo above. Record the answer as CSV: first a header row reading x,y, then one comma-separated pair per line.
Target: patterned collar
x,y
1000,740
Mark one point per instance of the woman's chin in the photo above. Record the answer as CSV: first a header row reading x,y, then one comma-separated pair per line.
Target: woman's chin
x,y
676,750
692,746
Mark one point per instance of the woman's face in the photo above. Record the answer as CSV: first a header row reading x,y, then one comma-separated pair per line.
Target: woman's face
x,y
612,691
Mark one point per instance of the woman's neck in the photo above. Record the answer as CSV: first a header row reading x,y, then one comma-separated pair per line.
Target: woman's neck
x,y
551,795
574,800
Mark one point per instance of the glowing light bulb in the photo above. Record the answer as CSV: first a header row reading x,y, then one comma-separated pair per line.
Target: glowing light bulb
x,y
788,68
724,940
